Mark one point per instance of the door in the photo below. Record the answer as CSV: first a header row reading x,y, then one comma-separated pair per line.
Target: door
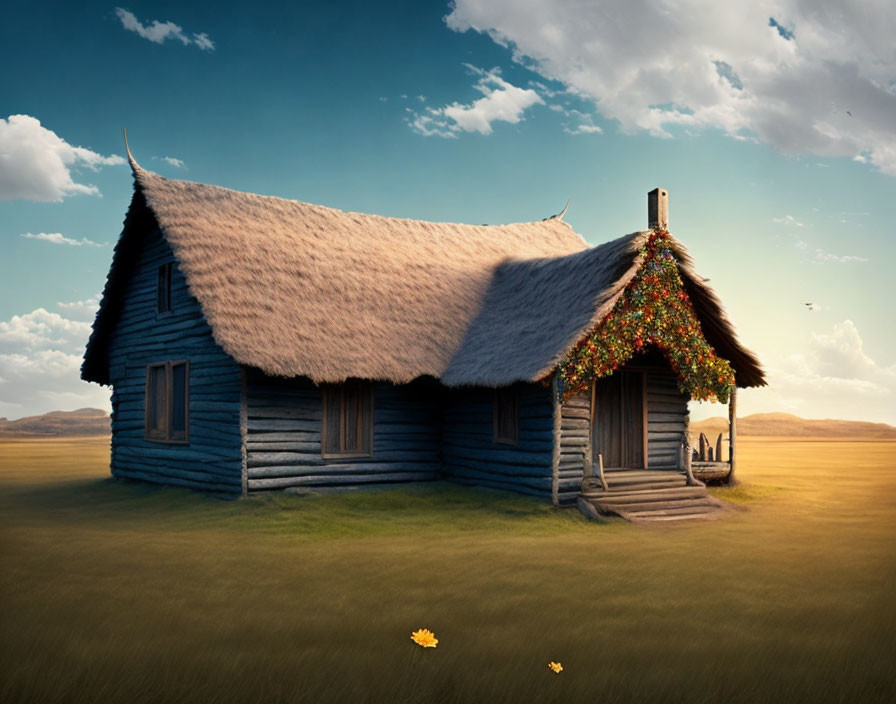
x,y
618,423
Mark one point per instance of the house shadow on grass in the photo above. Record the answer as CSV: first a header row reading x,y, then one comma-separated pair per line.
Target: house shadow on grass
x,y
113,503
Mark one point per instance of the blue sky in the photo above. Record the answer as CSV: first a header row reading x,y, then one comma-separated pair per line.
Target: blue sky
x,y
773,127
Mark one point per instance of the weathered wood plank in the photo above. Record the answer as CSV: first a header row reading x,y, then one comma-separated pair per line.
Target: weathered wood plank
x,y
339,480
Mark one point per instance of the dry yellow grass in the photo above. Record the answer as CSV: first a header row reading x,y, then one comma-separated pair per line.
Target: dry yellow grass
x,y
123,592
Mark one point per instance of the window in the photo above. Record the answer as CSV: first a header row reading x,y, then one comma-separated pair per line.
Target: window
x,y
168,401
164,288
507,421
347,427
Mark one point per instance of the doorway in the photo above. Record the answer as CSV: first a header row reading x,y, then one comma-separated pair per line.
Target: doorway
x,y
619,419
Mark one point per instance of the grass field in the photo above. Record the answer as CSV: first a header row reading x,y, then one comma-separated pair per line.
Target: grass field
x,y
121,592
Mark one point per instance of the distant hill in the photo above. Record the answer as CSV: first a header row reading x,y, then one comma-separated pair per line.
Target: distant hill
x,y
93,421
786,424
84,421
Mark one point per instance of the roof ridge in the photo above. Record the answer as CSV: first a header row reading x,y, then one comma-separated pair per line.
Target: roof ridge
x,y
142,175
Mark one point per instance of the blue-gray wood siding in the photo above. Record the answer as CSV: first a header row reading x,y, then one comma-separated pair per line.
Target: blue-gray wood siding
x,y
283,447
470,455
211,460
421,430
575,445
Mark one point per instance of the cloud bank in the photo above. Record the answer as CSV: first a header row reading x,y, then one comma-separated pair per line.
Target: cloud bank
x,y
40,361
36,164
833,376
805,76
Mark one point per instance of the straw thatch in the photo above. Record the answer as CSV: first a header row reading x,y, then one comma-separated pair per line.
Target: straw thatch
x,y
537,309
296,289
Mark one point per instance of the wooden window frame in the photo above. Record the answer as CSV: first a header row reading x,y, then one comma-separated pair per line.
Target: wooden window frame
x,y
496,426
169,397
365,425
166,277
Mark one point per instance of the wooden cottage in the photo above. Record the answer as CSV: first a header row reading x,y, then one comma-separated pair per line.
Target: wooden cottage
x,y
255,343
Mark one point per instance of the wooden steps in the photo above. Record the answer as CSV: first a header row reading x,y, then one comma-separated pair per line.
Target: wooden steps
x,y
646,496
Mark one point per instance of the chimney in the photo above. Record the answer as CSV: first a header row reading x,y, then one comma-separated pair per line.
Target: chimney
x,y
658,209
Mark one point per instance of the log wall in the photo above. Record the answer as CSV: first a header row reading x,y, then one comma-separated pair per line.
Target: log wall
x,y
470,455
283,436
211,459
264,433
575,446
667,418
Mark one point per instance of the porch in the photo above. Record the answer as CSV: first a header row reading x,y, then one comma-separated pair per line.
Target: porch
x,y
643,465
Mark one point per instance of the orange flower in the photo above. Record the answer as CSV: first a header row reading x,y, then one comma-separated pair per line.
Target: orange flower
x,y
555,666
425,638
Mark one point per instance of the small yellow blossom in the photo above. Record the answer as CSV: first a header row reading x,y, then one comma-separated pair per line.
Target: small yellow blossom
x,y
555,666
425,638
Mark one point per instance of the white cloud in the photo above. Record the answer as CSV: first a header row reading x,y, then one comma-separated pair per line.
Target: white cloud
x,y
805,76
822,255
817,254
175,162
159,32
59,238
203,42
41,329
40,361
81,310
788,220
583,128
579,122
501,102
36,164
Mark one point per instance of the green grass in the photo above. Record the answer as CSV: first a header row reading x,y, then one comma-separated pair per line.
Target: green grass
x,y
122,592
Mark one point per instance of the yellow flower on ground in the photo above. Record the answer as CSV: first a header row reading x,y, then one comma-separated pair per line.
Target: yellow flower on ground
x,y
425,638
555,666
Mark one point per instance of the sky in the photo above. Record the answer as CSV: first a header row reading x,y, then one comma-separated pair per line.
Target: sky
x,y
772,126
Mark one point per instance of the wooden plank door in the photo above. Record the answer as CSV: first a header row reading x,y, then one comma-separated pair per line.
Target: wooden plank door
x,y
619,425
607,431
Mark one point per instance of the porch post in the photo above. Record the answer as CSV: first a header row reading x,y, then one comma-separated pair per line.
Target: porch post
x,y
691,480
732,434
598,462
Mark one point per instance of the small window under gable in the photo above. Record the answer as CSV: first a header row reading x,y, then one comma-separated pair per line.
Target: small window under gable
x,y
168,401
164,288
347,426
506,415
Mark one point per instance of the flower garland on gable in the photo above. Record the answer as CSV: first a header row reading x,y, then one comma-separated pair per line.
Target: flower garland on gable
x,y
655,310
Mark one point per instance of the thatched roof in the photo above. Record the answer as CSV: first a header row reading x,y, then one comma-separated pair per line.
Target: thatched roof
x,y
295,289
536,310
